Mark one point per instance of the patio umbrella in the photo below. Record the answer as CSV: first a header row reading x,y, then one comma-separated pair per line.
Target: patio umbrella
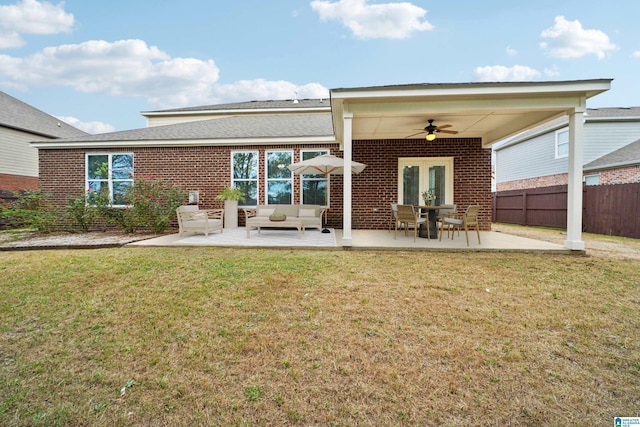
x,y
326,164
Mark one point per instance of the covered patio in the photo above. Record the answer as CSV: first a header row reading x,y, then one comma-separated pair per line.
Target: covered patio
x,y
482,112
361,240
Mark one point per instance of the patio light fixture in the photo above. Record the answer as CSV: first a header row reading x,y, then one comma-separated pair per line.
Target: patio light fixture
x,y
431,136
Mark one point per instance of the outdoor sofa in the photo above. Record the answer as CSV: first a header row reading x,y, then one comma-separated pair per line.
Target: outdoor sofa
x,y
310,215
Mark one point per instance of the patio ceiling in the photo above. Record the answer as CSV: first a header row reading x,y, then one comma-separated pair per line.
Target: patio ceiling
x,y
490,111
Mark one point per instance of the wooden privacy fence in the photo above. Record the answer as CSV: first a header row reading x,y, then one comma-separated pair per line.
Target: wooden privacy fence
x,y
607,209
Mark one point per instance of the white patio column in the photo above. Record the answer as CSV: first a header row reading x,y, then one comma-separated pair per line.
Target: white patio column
x,y
574,192
347,240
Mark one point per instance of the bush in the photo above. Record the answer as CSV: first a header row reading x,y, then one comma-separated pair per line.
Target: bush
x,y
151,204
81,213
31,209
154,202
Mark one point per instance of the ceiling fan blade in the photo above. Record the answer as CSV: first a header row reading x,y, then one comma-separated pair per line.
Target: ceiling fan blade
x,y
414,134
444,126
453,132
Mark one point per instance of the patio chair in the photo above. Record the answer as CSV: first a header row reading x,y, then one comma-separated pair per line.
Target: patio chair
x,y
445,210
408,215
393,216
192,218
459,220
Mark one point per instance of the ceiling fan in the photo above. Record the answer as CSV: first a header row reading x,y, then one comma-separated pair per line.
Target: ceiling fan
x,y
432,129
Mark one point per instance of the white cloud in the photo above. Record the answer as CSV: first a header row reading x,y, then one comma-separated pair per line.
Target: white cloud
x,y
500,73
132,68
636,54
567,39
511,51
388,20
32,17
126,67
260,89
552,72
90,127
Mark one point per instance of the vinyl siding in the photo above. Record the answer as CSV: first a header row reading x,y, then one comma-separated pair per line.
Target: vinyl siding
x,y
536,157
601,138
17,157
529,159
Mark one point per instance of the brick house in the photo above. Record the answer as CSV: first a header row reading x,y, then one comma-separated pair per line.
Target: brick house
x,y
539,157
20,124
248,145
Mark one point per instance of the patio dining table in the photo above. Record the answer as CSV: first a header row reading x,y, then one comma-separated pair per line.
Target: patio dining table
x,y
432,213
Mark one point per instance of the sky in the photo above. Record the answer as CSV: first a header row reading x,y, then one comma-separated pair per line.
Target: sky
x,y
98,64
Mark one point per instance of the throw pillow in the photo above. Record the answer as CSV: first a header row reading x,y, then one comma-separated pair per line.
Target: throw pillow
x,y
306,213
265,212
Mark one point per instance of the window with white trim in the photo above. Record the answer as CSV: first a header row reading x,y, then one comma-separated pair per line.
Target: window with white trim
x,y
244,175
593,179
112,173
313,187
562,143
279,179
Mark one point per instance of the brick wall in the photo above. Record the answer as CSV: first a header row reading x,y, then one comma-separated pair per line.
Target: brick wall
x,y
626,175
623,175
18,182
541,181
377,186
208,170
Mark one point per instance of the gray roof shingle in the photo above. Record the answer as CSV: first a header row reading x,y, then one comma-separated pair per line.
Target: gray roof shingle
x,y
253,105
236,127
627,155
16,114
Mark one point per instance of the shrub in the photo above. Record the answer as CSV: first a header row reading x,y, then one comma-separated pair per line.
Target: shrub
x,y
154,202
81,213
31,209
151,203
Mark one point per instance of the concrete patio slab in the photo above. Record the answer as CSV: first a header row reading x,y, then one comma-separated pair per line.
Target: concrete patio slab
x,y
362,240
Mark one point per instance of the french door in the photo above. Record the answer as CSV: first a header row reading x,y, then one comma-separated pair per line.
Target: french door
x,y
419,174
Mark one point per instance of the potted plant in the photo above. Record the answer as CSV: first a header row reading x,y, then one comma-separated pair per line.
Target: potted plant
x,y
231,196
428,197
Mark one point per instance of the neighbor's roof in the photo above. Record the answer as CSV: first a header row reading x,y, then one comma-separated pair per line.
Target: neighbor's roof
x,y
625,156
252,106
17,115
591,115
231,130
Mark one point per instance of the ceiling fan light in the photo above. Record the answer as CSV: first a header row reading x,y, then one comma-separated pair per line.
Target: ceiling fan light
x,y
431,136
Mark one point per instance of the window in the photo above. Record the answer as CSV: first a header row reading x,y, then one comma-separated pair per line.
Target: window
x,y
112,173
279,178
562,143
244,175
592,179
419,174
314,187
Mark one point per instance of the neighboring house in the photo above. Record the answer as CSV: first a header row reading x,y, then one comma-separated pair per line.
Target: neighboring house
x,y
248,145
20,124
539,157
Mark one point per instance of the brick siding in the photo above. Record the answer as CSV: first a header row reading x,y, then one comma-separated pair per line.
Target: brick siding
x,y
18,182
623,175
208,170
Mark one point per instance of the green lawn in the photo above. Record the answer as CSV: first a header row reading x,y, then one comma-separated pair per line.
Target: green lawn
x,y
205,336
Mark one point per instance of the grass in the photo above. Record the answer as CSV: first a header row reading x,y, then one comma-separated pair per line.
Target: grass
x,y
205,336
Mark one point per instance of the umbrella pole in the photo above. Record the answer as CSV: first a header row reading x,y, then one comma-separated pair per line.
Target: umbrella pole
x,y
326,203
